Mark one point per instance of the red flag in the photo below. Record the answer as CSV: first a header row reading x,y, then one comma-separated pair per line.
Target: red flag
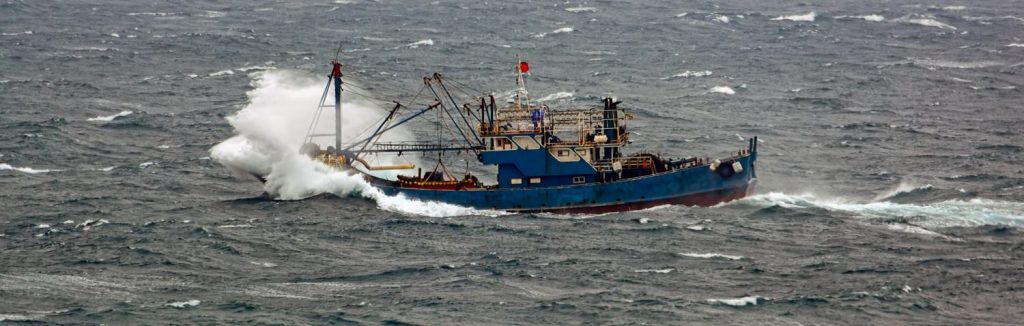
x,y
524,67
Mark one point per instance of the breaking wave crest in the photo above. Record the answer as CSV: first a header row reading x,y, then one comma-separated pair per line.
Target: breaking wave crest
x,y
948,213
269,131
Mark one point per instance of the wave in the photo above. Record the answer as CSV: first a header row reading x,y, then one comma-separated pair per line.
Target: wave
x,y
711,256
17,33
808,17
266,144
722,90
110,117
655,271
740,302
870,18
556,96
903,188
949,213
25,169
184,304
688,74
222,73
929,21
420,42
955,64
557,31
581,9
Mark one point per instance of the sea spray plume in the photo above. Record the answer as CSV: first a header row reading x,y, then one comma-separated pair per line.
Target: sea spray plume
x,y
904,187
270,130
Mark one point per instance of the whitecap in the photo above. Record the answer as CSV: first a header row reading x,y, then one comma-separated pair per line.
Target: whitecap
x,y
107,169
233,226
955,64
556,96
696,227
557,31
562,30
5,166
870,18
88,224
808,17
923,21
954,8
947,213
376,39
722,90
254,68
902,188
110,117
213,14
18,33
687,74
1016,45
907,228
222,73
711,255
184,304
655,271
740,302
581,9
263,264
420,42
152,14
721,19
146,164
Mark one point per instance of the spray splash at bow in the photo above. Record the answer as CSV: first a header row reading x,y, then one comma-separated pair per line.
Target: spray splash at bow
x,y
269,133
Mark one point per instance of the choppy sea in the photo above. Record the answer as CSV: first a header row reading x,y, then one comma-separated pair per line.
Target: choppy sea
x,y
891,187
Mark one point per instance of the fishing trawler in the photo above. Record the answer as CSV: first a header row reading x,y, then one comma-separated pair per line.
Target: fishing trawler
x,y
548,160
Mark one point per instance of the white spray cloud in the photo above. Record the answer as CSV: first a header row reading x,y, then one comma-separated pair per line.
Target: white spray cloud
x,y
270,130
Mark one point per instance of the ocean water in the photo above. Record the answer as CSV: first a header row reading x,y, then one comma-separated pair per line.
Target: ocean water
x,y
891,189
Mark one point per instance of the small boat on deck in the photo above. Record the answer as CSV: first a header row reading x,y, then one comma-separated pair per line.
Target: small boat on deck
x,y
548,160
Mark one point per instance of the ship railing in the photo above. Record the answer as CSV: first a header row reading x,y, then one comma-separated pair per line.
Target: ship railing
x,y
643,162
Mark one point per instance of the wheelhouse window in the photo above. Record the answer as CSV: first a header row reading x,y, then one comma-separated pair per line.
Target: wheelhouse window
x,y
579,179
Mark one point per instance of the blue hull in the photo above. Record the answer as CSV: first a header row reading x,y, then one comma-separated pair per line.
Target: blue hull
x,y
694,186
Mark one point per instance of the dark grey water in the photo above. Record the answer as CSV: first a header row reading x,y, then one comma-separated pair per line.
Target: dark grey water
x,y
891,186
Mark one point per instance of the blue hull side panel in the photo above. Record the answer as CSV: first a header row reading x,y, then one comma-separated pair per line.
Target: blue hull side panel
x,y
692,186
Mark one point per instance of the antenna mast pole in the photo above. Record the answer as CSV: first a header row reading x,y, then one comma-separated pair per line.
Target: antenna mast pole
x,y
336,75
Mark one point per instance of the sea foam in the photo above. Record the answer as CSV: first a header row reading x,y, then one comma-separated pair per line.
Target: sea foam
x,y
722,90
24,169
111,117
808,17
955,212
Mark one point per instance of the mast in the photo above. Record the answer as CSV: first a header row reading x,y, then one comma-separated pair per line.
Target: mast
x,y
336,75
522,96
